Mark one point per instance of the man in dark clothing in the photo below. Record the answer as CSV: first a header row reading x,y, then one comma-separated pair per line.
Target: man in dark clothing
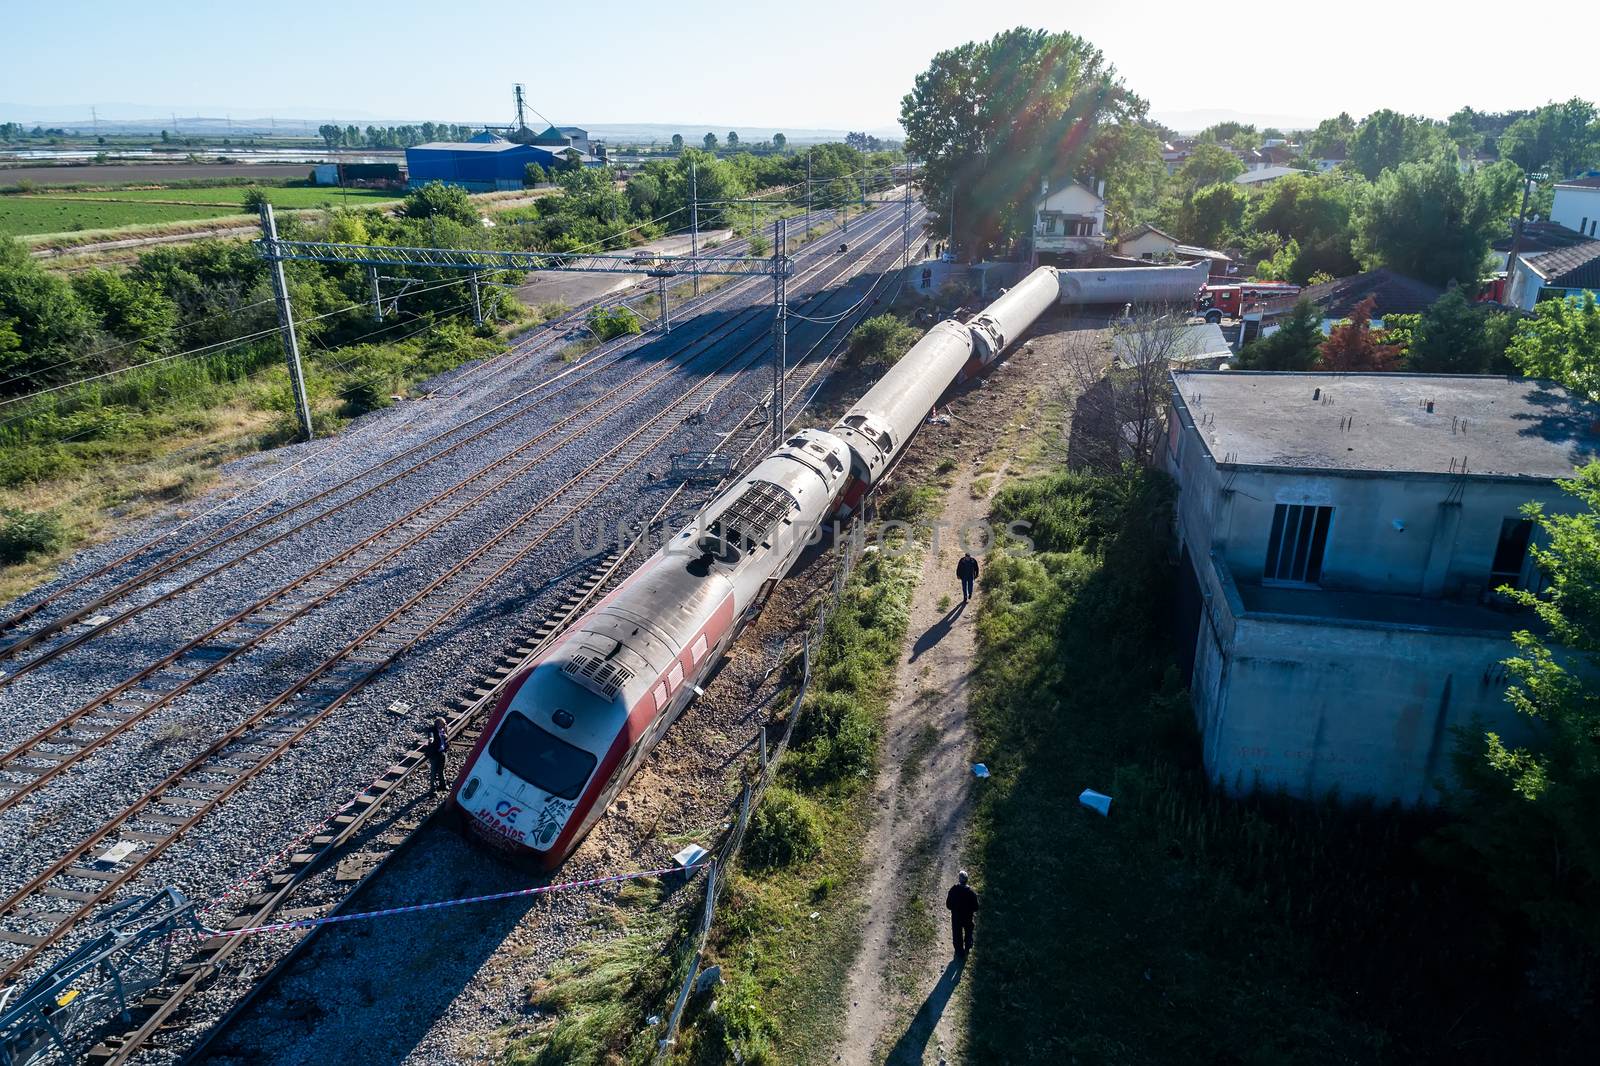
x,y
435,748
967,571
962,903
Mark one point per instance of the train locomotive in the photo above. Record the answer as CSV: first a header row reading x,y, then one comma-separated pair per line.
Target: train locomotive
x,y
571,729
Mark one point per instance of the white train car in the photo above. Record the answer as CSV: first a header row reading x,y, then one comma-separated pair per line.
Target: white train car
x,y
881,422
1133,285
572,729
1002,322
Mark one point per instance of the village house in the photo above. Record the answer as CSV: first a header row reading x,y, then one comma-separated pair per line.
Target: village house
x,y
1069,224
1147,242
1341,538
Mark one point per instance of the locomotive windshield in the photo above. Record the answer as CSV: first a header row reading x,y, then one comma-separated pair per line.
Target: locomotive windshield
x,y
541,758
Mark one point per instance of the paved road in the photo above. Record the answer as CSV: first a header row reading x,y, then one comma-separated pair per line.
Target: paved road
x,y
573,289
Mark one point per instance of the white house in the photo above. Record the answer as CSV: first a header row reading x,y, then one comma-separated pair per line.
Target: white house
x,y
1069,224
1570,271
1341,537
1577,205
1147,242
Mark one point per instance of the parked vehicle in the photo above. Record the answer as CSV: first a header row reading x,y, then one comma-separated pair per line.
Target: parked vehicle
x,y
1217,302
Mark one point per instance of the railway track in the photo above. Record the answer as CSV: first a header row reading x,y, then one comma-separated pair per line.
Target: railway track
x,y
74,885
59,747
259,518
371,856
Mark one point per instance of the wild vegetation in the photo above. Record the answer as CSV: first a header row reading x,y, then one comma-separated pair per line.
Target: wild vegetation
x,y
1250,928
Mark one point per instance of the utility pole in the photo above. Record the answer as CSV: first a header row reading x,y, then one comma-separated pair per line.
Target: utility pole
x,y
665,320
780,329
905,226
377,293
808,190
1516,238
291,346
694,227
477,302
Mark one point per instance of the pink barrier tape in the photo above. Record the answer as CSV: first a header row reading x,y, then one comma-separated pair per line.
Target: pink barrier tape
x,y
332,919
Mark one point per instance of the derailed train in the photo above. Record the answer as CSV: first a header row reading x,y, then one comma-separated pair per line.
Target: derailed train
x,y
571,729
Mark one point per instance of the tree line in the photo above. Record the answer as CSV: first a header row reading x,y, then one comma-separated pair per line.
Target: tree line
x,y
991,119
335,136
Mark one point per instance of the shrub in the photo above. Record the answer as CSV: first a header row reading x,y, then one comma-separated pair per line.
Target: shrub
x,y
22,464
24,534
784,830
254,197
881,339
609,322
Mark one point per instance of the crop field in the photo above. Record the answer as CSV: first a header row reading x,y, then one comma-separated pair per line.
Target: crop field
x,y
24,215
67,212
233,195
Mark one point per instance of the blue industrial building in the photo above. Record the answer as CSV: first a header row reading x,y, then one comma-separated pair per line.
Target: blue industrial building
x,y
483,164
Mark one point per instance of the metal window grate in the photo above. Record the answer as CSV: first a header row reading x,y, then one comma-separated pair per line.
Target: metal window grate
x,y
1296,545
604,676
753,515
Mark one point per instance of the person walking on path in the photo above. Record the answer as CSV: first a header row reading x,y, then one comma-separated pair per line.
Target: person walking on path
x,y
967,571
962,903
435,748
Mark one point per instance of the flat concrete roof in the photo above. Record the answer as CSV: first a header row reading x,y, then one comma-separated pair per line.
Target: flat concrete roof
x,y
1499,427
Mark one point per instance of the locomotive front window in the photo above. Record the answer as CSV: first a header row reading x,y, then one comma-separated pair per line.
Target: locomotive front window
x,y
541,758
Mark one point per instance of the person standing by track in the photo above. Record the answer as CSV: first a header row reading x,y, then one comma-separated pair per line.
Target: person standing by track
x,y
437,744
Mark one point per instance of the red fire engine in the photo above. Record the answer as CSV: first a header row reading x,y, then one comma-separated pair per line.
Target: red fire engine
x,y
1216,302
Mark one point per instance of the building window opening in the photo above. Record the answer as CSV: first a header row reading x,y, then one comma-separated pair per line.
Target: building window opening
x,y
1511,553
1295,548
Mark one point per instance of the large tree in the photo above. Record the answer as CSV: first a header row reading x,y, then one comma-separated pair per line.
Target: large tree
x,y
1385,139
990,119
1314,214
1433,222
1457,336
1561,342
1530,811
1562,139
1208,164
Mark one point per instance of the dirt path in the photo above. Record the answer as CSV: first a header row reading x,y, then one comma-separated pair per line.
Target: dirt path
x,y
923,795
905,1007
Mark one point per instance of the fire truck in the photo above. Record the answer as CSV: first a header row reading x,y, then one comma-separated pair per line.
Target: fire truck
x,y
1216,302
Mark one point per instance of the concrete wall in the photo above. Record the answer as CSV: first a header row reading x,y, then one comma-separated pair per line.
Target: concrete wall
x,y
1577,208
1310,706
1443,545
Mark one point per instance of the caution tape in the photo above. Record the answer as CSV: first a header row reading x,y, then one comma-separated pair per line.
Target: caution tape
x,y
334,919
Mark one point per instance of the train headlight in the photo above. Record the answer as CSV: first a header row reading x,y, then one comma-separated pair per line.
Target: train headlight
x,y
472,787
563,718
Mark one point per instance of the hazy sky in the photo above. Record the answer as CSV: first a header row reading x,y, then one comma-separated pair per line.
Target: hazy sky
x,y
741,63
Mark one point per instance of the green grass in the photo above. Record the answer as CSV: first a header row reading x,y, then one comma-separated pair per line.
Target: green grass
x,y
27,215
1191,926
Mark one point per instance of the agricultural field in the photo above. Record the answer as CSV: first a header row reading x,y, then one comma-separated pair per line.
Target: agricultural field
x,y
233,195
25,215
30,214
